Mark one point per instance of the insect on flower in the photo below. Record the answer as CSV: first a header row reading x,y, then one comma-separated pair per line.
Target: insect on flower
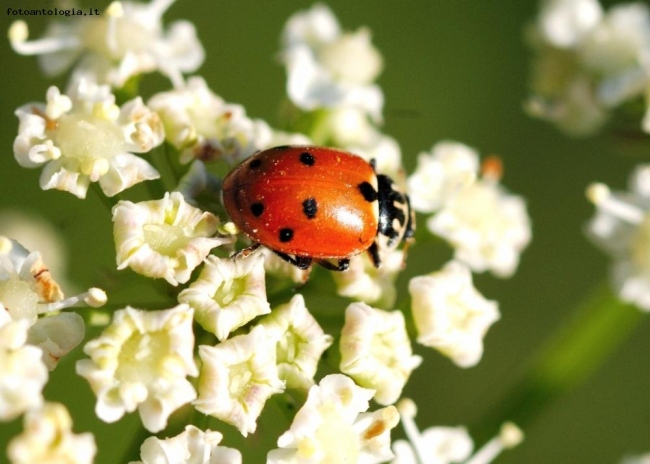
x,y
313,203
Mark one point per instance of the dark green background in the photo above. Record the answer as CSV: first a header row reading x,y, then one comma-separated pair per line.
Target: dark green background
x,y
454,69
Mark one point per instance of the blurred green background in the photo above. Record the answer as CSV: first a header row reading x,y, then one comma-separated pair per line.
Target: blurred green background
x,y
454,69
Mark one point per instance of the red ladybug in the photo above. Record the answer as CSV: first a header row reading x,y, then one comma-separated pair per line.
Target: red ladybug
x,y
313,203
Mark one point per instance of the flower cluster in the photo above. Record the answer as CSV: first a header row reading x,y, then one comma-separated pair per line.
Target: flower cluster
x,y
589,62
228,340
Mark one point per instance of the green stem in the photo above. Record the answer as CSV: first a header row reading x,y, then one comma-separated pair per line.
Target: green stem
x,y
599,326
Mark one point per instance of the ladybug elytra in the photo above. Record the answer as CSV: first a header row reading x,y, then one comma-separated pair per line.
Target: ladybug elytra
x,y
312,203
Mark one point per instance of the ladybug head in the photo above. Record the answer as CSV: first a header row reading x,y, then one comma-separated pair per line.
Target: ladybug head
x,y
396,218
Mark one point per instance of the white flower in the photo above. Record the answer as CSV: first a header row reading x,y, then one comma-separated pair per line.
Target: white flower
x,y
192,446
640,459
330,69
614,49
436,445
87,138
450,315
22,372
447,445
57,335
48,439
299,342
487,226
332,426
28,290
376,351
141,361
228,294
363,281
621,227
441,172
237,377
26,285
128,39
384,151
165,238
587,62
203,126
563,23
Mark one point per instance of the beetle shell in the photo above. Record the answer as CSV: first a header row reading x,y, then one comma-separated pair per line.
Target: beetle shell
x,y
305,201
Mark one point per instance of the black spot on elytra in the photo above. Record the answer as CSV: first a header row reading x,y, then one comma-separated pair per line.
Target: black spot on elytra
x,y
368,191
285,235
309,207
307,159
256,163
257,209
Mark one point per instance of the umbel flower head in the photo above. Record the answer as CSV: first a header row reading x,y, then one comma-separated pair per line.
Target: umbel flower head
x,y
85,137
126,40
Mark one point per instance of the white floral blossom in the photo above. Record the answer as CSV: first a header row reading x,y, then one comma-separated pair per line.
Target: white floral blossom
x,y
436,445
85,137
447,445
363,281
450,315
22,372
376,351
203,126
332,426
487,226
48,439
564,23
192,446
127,40
441,172
621,227
228,294
330,69
28,290
237,377
299,340
165,238
141,362
276,266
587,61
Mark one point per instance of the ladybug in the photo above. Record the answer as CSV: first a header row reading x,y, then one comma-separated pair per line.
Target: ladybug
x,y
309,203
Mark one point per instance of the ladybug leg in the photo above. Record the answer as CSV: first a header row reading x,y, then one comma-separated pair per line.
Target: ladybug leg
x,y
243,253
301,262
373,251
342,264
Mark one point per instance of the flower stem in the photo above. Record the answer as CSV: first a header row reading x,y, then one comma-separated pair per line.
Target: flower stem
x,y
598,327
